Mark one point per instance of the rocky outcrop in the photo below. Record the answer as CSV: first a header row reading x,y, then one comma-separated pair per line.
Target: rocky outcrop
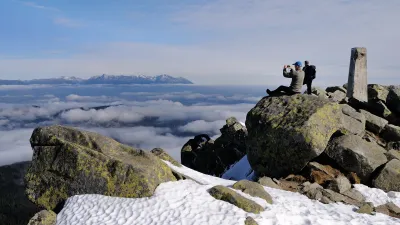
x,y
253,189
336,88
214,157
225,194
15,207
354,154
389,177
43,217
285,133
68,161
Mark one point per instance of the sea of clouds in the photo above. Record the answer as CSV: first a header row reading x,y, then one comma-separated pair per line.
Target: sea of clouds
x,y
142,116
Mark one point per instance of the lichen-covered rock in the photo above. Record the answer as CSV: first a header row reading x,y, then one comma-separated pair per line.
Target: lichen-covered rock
x,y
377,92
43,217
225,194
252,188
391,133
214,157
389,177
160,153
250,221
286,132
337,95
268,182
374,123
354,154
353,121
68,161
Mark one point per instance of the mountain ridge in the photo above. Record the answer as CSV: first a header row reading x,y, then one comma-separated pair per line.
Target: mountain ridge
x,y
103,79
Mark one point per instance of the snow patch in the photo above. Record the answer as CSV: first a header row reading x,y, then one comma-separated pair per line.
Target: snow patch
x,y
239,171
188,202
378,196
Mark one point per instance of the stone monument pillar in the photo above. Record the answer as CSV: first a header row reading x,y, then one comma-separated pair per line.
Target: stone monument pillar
x,y
358,81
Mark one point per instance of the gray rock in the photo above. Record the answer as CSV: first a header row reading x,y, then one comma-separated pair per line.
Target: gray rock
x,y
354,154
393,154
374,123
353,121
393,145
225,194
333,196
254,189
286,132
391,133
389,209
266,181
366,208
43,217
326,200
340,184
314,193
160,153
337,96
336,88
354,194
318,92
389,177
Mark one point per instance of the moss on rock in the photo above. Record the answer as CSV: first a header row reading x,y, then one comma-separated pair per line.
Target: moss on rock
x,y
286,132
68,161
160,153
225,194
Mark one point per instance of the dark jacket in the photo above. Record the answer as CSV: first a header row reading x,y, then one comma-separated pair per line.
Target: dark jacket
x,y
297,79
309,72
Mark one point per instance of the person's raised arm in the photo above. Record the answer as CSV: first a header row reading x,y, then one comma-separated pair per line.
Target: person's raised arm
x,y
287,74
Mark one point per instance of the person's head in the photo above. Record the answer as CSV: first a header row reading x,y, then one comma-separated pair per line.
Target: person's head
x,y
297,65
306,63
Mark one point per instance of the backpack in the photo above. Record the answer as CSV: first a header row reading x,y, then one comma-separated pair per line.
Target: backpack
x,y
311,71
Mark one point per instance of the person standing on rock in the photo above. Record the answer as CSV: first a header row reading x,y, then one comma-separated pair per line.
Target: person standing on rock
x,y
309,75
297,76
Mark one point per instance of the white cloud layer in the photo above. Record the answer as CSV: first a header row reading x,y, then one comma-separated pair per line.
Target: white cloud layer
x,y
246,42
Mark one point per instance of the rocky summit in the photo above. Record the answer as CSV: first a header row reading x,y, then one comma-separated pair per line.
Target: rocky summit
x,y
68,161
286,132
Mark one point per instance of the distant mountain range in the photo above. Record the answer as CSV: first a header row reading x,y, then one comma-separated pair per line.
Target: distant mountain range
x,y
104,79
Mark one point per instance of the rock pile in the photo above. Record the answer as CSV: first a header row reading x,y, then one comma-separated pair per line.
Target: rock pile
x,y
214,157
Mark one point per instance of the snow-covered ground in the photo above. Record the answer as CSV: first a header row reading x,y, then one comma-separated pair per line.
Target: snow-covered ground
x,y
188,202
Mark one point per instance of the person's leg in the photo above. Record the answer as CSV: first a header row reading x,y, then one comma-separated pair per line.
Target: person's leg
x,y
309,82
281,89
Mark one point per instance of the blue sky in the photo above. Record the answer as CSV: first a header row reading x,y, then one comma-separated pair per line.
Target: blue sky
x,y
209,42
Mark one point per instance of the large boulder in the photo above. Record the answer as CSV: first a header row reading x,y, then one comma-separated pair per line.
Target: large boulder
x,y
68,161
337,95
374,123
286,132
389,177
354,154
353,121
214,157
